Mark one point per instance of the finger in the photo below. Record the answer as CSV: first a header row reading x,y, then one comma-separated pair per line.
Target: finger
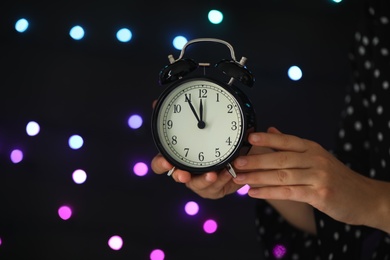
x,y
160,165
285,177
212,182
299,193
273,130
278,141
154,103
273,160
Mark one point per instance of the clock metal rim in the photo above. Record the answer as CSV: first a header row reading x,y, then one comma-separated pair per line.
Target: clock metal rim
x,y
248,125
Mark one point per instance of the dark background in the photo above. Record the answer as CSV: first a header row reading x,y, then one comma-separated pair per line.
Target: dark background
x,y
91,87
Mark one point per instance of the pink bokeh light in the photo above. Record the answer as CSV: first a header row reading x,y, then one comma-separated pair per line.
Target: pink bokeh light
x,y
191,208
279,251
243,190
65,212
210,226
115,242
16,156
140,169
157,254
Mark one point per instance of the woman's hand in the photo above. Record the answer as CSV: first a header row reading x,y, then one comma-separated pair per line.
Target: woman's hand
x,y
211,185
301,170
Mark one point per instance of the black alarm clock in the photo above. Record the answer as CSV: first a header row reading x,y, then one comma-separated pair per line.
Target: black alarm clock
x,y
201,121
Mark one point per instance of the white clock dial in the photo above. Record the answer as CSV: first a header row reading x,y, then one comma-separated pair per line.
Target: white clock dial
x,y
200,124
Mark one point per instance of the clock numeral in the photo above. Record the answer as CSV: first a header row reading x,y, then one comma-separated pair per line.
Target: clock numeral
x,y
217,152
201,157
217,97
187,97
234,125
169,124
176,108
203,93
174,140
186,150
230,108
228,141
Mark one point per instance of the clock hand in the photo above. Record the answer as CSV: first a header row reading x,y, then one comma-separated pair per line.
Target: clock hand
x,y
192,108
201,123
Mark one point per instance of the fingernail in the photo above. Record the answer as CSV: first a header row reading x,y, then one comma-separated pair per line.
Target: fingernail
x,y
240,161
254,137
240,177
208,177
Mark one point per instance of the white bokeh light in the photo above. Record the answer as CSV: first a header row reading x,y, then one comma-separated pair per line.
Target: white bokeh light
x,y
215,16
32,128
21,25
75,142
179,42
124,35
77,32
79,176
294,73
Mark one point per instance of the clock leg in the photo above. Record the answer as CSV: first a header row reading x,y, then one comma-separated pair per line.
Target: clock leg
x,y
171,171
231,170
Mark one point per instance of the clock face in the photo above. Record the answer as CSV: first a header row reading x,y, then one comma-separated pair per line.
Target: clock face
x,y
198,125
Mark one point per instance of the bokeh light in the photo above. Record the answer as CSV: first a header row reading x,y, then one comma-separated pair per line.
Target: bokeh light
x,y
210,226
135,121
191,208
140,169
79,176
124,35
243,190
77,32
75,142
294,73
115,242
21,25
157,254
16,156
179,42
65,212
32,128
215,17
279,251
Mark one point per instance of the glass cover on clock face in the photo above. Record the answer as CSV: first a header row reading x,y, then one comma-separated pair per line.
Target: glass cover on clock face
x,y
200,124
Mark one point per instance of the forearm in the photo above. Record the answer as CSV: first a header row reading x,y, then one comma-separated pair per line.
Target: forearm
x,y
379,217
298,214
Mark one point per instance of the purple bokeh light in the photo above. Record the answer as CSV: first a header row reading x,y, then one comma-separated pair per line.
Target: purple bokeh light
x,y
135,121
157,254
16,156
65,212
191,208
140,169
243,190
210,226
279,251
115,242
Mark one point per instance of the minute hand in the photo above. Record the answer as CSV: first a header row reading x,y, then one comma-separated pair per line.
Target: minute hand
x,y
192,108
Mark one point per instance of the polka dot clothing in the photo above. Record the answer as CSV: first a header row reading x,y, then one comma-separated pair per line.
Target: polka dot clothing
x,y
363,143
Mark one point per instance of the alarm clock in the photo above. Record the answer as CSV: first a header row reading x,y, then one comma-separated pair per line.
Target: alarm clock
x,y
202,119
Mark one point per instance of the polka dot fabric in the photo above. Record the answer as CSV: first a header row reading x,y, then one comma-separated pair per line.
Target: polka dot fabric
x,y
363,143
